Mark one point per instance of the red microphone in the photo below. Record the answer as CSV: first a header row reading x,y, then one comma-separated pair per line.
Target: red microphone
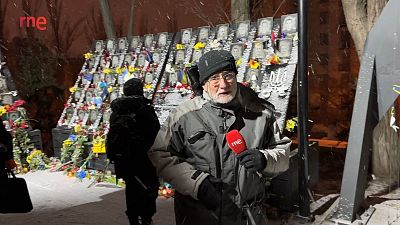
x,y
237,143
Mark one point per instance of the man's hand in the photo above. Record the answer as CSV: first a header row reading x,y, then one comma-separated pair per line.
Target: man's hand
x,y
10,164
253,160
208,194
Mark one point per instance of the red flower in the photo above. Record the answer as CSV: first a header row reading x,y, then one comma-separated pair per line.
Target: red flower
x,y
19,103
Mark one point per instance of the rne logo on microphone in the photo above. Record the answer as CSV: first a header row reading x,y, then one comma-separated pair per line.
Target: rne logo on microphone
x,y
237,142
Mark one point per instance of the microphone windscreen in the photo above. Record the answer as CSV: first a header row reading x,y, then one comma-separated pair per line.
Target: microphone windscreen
x,y
236,141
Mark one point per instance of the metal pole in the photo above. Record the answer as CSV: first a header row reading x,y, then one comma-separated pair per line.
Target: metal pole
x,y
302,108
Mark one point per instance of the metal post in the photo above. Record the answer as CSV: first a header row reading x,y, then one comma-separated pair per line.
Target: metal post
x,y
302,108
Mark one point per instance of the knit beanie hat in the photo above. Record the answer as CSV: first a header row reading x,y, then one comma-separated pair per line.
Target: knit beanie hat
x,y
215,61
133,86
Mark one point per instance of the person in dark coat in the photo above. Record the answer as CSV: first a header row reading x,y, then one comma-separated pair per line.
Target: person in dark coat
x,y
6,151
133,129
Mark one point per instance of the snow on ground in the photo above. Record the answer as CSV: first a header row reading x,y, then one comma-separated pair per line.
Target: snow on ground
x,y
61,200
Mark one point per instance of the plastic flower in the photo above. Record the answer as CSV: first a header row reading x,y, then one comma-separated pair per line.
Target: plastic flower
x,y
180,46
119,70
19,103
2,110
107,71
72,137
80,174
291,124
88,55
199,45
274,59
67,143
254,64
110,89
73,89
131,69
78,128
103,84
239,62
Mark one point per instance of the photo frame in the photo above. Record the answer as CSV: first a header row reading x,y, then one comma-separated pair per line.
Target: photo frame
x,y
180,56
264,26
222,31
258,51
134,42
14,115
98,46
114,61
156,57
242,29
141,60
237,50
148,78
128,59
285,47
122,45
204,33
186,35
197,53
148,41
289,23
7,99
93,113
110,46
162,39
252,75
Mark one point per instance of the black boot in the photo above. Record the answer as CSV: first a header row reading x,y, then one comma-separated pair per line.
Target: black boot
x,y
133,220
146,220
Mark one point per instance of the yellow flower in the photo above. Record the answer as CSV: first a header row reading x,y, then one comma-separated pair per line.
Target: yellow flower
x,y
110,89
88,55
67,143
92,107
199,45
77,128
274,59
131,69
2,110
118,70
73,89
254,64
291,124
180,46
147,86
239,62
107,71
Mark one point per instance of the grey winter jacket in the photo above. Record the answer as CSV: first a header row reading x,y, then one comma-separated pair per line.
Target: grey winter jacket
x,y
191,145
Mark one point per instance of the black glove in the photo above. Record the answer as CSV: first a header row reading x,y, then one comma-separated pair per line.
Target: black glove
x,y
209,194
253,160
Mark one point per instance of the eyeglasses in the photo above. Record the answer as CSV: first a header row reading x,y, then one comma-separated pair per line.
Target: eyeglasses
x,y
216,78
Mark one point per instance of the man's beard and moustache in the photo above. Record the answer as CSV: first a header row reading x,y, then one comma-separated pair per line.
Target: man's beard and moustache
x,y
224,99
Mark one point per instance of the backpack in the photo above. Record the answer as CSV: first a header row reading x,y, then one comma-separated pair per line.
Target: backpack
x,y
122,127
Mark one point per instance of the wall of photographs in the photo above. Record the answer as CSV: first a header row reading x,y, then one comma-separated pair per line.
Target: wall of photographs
x,y
265,52
12,111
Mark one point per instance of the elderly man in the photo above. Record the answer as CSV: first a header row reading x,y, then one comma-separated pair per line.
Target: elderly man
x,y
213,185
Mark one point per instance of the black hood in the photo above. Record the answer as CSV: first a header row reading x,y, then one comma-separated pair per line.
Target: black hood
x,y
129,104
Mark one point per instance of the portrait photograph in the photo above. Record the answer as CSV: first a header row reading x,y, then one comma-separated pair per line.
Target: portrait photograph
x,y
264,26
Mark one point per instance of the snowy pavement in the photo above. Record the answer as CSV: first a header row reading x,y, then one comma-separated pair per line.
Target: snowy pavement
x,y
60,200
